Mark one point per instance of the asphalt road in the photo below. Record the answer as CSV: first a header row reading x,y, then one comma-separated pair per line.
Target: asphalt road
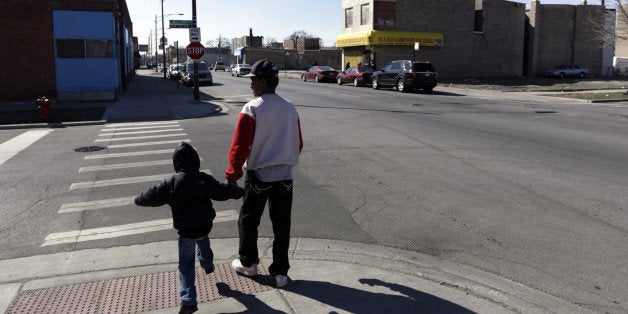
x,y
530,188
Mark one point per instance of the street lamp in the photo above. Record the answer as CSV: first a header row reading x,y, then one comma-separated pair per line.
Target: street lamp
x,y
163,37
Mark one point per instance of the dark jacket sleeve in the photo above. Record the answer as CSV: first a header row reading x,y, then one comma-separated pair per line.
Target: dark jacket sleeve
x,y
157,195
222,191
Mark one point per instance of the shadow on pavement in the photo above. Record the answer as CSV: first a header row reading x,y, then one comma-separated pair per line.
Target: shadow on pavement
x,y
359,301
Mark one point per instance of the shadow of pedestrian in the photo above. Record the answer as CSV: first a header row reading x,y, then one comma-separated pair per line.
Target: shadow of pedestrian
x,y
360,301
252,303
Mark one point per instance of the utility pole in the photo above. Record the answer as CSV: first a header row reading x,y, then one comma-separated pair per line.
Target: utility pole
x,y
163,39
156,46
197,95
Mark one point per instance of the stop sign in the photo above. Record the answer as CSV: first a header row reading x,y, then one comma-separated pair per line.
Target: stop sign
x,y
195,50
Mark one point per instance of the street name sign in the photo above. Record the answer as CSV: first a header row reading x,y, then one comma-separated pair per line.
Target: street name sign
x,y
180,23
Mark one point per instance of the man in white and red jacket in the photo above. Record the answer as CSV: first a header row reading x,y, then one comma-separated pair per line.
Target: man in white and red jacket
x,y
267,143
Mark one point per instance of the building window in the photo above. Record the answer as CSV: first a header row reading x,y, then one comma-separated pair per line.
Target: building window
x,y
81,48
348,17
364,10
99,48
70,48
479,16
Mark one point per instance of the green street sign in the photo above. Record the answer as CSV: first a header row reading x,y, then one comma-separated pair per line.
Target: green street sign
x,y
180,23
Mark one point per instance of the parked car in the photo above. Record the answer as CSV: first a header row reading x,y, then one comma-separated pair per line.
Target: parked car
x,y
406,75
219,66
241,69
359,75
174,71
565,70
204,74
320,73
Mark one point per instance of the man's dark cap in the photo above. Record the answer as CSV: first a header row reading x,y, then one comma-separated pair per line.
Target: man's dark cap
x,y
263,68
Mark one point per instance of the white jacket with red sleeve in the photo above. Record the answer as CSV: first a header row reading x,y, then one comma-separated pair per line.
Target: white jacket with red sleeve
x,y
267,134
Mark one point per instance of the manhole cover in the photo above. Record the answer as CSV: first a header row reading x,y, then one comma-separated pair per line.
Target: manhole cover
x,y
88,149
543,112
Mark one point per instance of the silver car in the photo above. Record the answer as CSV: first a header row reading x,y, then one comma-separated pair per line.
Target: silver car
x,y
565,70
241,69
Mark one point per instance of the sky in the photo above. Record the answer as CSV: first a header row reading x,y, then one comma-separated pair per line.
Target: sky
x,y
273,19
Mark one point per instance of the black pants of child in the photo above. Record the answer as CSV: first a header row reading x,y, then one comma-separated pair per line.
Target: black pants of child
x,y
279,197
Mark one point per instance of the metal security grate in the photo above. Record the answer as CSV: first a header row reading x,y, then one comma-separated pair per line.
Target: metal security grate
x,y
139,293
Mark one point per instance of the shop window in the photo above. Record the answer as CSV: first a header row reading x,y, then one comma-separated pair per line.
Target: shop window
x,y
70,48
364,14
348,17
99,48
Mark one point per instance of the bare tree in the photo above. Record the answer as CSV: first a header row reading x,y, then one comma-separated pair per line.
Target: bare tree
x,y
221,42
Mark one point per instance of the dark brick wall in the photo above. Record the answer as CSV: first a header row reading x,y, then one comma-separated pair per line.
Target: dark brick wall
x,y
27,55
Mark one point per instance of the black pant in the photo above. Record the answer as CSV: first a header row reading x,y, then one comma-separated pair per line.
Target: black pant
x,y
279,196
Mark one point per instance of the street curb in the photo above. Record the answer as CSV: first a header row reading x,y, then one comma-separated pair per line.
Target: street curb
x,y
59,269
50,125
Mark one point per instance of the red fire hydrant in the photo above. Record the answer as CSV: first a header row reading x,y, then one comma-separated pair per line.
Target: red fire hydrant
x,y
45,109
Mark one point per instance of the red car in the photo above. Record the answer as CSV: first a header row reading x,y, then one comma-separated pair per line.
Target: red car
x,y
359,75
320,73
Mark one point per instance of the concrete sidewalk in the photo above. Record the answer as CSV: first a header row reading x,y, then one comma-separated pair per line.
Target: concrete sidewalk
x,y
327,276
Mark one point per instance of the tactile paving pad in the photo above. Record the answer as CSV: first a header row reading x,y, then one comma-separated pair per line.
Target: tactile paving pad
x,y
139,293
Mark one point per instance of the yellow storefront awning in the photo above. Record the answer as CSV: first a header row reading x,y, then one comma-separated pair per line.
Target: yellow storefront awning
x,y
389,38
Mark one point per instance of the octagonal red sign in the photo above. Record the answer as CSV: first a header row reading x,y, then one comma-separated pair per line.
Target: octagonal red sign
x,y
195,50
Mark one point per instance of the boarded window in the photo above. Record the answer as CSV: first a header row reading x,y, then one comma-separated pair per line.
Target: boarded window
x,y
365,13
70,48
348,17
99,48
479,16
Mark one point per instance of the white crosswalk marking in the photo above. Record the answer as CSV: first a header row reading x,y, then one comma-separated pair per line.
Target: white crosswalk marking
x,y
139,137
139,132
115,125
122,181
126,165
187,140
144,131
138,128
123,230
15,145
99,204
131,154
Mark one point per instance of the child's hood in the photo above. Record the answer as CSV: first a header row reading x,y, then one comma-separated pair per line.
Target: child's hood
x,y
185,158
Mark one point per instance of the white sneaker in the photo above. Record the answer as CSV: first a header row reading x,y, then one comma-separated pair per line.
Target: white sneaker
x,y
246,271
281,280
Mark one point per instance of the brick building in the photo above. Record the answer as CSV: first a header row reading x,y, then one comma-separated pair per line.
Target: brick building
x,y
472,38
65,50
566,34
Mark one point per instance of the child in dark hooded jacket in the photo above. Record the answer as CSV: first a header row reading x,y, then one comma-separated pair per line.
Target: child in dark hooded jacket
x,y
189,193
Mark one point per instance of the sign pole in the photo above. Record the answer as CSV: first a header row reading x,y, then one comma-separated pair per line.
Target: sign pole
x,y
197,95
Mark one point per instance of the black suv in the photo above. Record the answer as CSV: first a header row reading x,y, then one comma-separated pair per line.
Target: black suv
x,y
406,75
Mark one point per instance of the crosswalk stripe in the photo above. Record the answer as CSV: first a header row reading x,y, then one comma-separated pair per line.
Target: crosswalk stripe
x,y
140,132
123,230
130,154
115,125
187,140
138,128
98,204
126,165
139,137
15,145
122,181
